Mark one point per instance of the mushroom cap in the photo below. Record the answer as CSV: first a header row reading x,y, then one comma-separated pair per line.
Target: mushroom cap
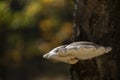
x,y
78,50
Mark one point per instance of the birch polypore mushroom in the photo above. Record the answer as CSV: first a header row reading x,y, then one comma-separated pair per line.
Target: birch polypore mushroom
x,y
76,51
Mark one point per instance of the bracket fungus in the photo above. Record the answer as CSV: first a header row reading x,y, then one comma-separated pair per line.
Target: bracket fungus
x,y
76,51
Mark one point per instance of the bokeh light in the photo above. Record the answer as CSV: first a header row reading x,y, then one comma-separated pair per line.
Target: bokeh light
x,y
29,29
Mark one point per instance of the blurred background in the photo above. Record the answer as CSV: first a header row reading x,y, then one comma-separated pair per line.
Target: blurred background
x,y
29,29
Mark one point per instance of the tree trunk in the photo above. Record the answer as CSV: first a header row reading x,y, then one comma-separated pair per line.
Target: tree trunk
x,y
98,21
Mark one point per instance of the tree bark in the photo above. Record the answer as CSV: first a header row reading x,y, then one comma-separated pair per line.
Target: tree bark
x,y
98,21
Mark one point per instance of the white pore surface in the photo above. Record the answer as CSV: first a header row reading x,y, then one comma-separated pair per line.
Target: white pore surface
x,y
76,51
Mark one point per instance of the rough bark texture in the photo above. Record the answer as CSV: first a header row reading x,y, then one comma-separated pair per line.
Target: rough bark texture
x,y
98,21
